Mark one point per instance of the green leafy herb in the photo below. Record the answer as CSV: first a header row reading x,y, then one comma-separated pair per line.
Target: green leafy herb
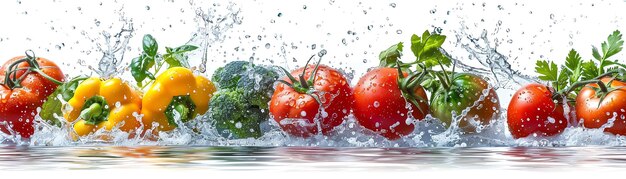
x,y
612,46
175,57
150,59
389,57
573,66
53,104
426,49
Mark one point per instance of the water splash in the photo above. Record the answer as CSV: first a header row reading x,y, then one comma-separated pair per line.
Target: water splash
x,y
213,22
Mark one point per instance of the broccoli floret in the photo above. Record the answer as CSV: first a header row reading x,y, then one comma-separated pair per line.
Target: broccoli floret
x,y
241,104
258,86
229,75
233,117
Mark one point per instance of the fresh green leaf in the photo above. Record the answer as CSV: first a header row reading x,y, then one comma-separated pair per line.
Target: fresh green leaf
x,y
573,64
613,45
53,104
184,48
139,68
432,42
547,71
426,49
150,45
51,107
176,57
389,57
589,70
609,63
562,80
595,53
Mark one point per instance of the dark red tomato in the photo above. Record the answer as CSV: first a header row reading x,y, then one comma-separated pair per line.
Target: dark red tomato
x,y
379,105
595,114
296,111
533,111
18,105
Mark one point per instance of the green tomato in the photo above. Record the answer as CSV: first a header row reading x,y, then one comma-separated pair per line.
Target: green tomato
x,y
465,91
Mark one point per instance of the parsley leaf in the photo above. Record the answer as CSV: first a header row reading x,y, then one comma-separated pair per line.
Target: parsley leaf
x,y
426,49
389,57
573,65
613,45
547,71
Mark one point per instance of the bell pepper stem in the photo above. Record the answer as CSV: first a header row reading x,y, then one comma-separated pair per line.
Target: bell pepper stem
x,y
95,110
183,111
180,108
92,111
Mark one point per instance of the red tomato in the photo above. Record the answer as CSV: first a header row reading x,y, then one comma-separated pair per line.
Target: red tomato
x,y
595,114
297,112
379,105
532,110
18,105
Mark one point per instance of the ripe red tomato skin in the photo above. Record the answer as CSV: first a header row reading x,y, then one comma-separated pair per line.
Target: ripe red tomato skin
x,y
594,115
379,104
529,112
337,99
18,106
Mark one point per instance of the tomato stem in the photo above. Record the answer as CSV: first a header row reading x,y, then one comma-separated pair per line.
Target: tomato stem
x,y
11,79
302,85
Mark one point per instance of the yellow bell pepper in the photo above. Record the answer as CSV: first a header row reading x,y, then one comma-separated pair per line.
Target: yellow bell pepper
x,y
175,94
97,104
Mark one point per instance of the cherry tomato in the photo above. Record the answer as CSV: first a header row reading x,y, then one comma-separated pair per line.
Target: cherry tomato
x,y
533,111
379,105
24,91
298,113
595,114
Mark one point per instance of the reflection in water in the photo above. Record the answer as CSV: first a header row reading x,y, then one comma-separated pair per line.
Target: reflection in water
x,y
307,158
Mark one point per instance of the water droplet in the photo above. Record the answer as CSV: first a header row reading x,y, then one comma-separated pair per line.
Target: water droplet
x,y
303,113
322,53
148,8
376,103
364,60
238,125
304,7
97,22
267,45
344,42
393,5
398,31
313,46
552,16
433,11
369,27
280,14
259,37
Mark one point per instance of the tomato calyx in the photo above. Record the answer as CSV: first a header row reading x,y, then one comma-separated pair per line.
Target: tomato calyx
x,y
409,84
302,85
95,110
12,80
